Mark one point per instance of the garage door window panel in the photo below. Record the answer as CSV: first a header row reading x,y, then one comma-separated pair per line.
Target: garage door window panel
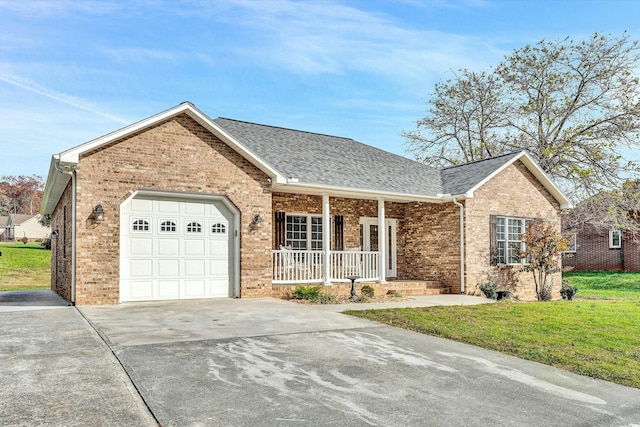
x,y
141,225
194,227
168,226
218,229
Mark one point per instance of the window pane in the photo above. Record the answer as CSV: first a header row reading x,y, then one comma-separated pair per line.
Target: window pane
x,y
296,232
514,229
501,257
194,227
512,253
316,233
500,229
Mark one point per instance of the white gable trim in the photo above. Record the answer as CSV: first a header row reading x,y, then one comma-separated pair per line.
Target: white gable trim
x,y
533,167
73,155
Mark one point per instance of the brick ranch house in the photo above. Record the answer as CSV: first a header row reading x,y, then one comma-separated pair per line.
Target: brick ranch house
x,y
180,205
593,248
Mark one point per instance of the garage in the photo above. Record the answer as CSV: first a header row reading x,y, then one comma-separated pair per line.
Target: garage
x,y
177,246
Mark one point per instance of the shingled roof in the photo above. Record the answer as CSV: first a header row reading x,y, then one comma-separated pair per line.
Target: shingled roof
x,y
315,163
334,161
462,178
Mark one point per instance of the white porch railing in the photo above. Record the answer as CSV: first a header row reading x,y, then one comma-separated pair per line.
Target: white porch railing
x,y
291,266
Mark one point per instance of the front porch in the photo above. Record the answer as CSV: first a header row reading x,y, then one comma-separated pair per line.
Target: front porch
x,y
322,240
299,267
307,267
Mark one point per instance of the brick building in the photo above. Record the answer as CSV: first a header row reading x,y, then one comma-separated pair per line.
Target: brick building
x,y
180,205
595,249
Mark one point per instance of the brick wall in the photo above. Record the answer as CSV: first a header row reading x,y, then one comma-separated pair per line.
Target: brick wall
x,y
513,192
631,254
61,245
593,252
432,243
176,155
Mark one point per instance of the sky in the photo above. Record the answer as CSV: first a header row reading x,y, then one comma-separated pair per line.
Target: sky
x,y
72,71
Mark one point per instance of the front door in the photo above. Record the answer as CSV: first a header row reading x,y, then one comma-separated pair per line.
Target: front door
x,y
369,241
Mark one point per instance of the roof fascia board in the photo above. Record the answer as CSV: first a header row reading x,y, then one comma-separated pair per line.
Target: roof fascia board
x,y
55,186
354,193
533,167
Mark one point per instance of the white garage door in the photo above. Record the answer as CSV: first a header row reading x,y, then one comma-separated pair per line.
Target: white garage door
x,y
173,249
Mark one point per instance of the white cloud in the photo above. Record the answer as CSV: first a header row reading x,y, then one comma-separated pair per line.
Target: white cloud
x,y
32,86
331,38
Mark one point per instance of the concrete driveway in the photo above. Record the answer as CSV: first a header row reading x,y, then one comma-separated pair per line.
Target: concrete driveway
x,y
55,370
276,363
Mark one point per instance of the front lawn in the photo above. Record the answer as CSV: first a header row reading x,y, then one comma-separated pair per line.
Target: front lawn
x,y
599,339
24,267
612,285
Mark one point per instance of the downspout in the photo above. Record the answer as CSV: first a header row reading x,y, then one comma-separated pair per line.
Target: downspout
x,y
461,206
72,172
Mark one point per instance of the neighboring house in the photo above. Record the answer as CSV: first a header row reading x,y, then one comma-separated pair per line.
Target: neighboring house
x,y
180,205
595,249
3,227
20,226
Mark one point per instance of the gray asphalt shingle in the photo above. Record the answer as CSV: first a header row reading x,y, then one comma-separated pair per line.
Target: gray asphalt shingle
x,y
335,161
342,162
460,179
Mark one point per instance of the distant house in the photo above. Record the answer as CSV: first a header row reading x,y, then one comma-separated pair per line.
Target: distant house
x,y
19,226
3,226
595,246
180,205
597,249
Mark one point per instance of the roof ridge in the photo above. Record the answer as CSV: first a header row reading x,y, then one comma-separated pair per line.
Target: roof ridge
x,y
284,128
483,160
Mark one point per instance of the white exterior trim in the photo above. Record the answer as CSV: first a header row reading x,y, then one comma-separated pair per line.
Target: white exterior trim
x,y
533,167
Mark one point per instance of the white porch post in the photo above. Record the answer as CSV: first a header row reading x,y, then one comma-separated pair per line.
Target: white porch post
x,y
382,247
326,238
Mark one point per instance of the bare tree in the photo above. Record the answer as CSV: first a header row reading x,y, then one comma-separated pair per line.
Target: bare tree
x,y
21,194
574,106
464,122
608,210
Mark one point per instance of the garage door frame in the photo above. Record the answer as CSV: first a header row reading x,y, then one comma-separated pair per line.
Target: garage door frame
x,y
234,234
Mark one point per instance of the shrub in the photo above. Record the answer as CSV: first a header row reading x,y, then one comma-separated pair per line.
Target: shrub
x,y
545,292
313,294
46,243
307,292
567,291
367,291
490,290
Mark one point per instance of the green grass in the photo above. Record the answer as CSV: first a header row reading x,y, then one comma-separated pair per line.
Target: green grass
x,y
599,339
605,284
24,267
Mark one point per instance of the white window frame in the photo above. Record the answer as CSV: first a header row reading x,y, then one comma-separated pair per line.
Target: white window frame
x,y
161,224
510,245
572,243
136,219
612,245
309,232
